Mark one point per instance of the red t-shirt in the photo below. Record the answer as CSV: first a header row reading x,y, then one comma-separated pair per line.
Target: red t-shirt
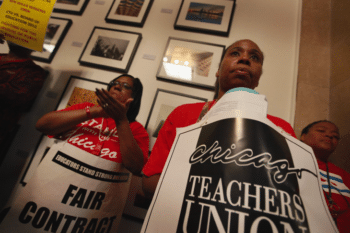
x,y
183,116
340,193
99,136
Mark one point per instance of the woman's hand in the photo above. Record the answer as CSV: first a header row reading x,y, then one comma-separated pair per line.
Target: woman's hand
x,y
112,107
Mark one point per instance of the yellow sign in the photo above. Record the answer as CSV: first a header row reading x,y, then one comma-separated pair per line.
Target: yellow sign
x,y
24,22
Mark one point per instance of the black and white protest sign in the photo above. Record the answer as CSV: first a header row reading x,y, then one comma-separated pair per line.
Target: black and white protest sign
x,y
71,191
237,172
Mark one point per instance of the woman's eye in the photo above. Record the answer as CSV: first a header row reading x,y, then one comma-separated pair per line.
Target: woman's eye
x,y
255,57
235,53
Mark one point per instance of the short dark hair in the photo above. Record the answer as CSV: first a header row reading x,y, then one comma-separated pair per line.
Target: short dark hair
x,y
308,127
137,89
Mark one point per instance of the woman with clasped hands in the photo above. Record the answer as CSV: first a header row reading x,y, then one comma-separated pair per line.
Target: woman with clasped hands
x,y
108,130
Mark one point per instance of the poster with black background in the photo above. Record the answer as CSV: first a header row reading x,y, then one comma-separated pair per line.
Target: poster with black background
x,y
238,174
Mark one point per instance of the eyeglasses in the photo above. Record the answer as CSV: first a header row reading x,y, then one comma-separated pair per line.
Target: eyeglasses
x,y
123,85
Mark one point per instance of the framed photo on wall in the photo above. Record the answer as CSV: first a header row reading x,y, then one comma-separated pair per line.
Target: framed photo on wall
x,y
74,7
191,62
206,16
56,30
78,90
137,204
164,103
110,49
129,12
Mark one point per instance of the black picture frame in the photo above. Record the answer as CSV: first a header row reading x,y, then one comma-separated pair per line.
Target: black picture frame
x,y
74,83
137,204
164,103
73,7
122,47
136,16
190,62
57,29
206,16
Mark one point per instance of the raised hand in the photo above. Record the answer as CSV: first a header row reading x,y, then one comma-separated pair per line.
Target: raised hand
x,y
113,107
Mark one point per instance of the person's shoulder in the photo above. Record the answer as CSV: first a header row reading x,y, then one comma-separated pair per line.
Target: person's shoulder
x,y
284,125
188,108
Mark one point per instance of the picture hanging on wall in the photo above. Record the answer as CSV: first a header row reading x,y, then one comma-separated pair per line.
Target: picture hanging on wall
x,y
56,30
78,90
137,204
163,104
206,16
74,7
110,49
129,12
191,62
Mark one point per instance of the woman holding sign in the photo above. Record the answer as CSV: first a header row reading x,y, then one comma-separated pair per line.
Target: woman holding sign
x,y
323,137
108,130
82,183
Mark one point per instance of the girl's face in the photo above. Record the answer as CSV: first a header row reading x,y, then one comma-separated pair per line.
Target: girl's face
x,y
323,138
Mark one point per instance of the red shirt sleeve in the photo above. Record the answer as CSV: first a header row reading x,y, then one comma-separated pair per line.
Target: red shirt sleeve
x,y
161,148
141,136
282,124
182,116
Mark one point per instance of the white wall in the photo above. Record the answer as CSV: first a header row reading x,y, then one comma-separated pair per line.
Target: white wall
x,y
273,24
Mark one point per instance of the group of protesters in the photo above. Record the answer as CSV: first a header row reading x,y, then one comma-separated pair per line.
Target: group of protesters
x,y
112,124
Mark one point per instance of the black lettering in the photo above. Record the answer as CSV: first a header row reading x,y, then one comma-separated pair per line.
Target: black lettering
x,y
68,222
88,200
111,219
79,225
31,207
40,217
54,222
99,229
69,193
91,226
98,201
79,198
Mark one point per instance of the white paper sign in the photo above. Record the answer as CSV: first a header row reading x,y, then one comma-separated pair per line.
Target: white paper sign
x,y
71,191
238,173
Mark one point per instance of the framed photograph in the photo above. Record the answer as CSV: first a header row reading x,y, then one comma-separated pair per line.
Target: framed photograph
x,y
78,90
110,49
56,30
74,7
163,104
191,62
129,12
137,204
206,16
